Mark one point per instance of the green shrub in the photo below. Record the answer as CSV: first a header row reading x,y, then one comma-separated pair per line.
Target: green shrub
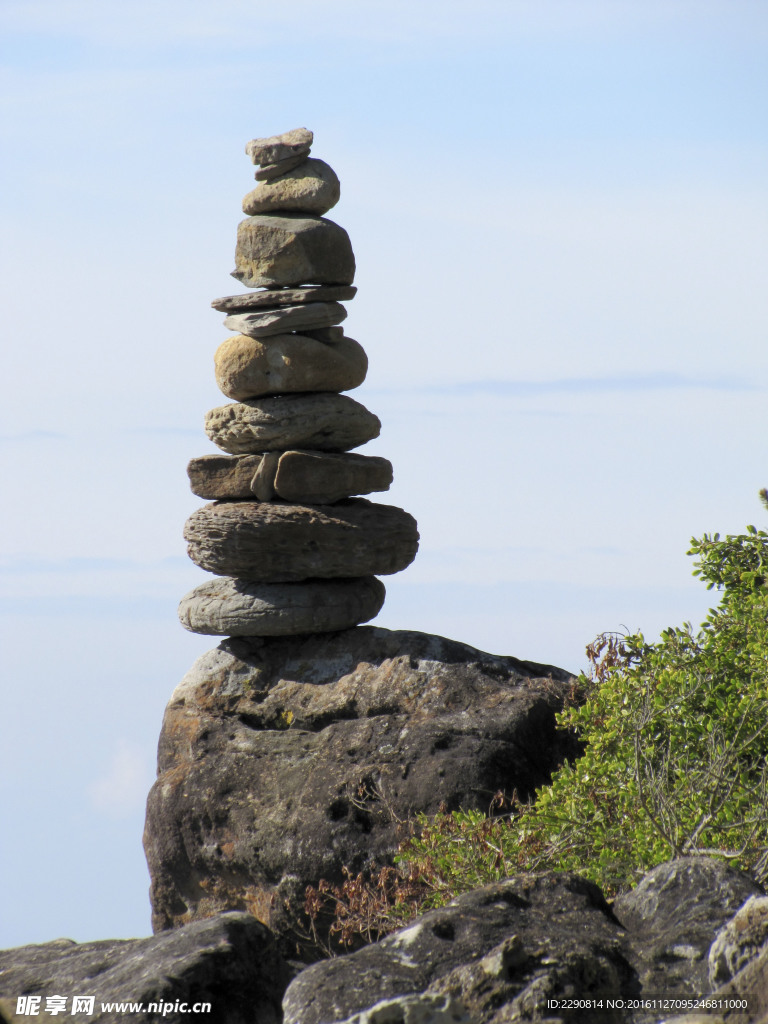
x,y
676,738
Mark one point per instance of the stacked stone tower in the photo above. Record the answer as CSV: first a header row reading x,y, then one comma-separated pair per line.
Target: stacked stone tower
x,y
294,550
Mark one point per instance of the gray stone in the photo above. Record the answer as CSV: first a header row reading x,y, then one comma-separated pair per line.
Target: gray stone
x,y
286,363
312,187
275,148
264,322
303,476
230,607
502,951
292,249
421,1009
740,941
270,542
283,759
271,298
269,171
230,961
673,916
223,476
326,422
320,477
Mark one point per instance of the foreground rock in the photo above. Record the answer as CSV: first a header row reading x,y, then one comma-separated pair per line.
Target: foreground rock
x,y
504,952
229,961
275,542
292,249
327,422
230,607
282,760
269,299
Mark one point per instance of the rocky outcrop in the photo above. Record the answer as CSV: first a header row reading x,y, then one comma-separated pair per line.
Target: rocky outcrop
x,y
229,961
283,760
540,947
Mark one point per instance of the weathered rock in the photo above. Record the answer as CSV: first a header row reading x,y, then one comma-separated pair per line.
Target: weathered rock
x,y
422,1009
271,298
230,961
292,249
673,915
309,315
272,150
313,187
314,477
230,607
319,477
223,476
327,422
269,171
740,941
267,542
287,363
750,985
383,725
514,945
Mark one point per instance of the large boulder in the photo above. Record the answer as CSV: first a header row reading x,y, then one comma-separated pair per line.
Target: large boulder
x,y
229,961
276,542
283,760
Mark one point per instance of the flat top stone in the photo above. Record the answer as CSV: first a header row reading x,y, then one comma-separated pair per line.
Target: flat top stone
x,y
273,297
279,147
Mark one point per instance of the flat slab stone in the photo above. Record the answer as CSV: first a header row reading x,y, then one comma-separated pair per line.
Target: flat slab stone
x,y
292,249
274,148
326,422
232,607
252,367
312,187
303,476
269,542
270,298
260,323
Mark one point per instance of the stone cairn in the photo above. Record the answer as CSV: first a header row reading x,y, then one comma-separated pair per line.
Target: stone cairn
x,y
293,550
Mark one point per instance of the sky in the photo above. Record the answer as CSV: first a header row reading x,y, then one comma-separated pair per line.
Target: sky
x,y
559,210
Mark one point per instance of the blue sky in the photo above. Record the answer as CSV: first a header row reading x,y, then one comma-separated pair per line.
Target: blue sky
x,y
559,212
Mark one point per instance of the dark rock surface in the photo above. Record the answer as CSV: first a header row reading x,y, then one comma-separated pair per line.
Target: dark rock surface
x,y
230,961
502,951
274,542
514,944
282,760
674,915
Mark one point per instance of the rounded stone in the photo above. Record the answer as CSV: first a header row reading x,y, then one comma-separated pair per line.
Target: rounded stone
x,y
235,607
251,367
326,422
272,542
313,187
292,249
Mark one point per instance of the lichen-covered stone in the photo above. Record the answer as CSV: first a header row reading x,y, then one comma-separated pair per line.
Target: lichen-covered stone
x,y
326,422
272,542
